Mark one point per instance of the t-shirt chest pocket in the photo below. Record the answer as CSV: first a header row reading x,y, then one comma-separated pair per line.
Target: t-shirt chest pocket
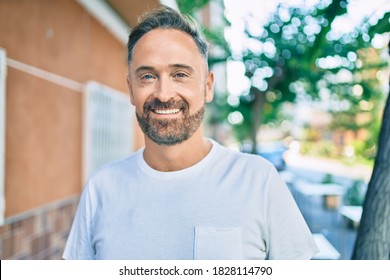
x,y
218,243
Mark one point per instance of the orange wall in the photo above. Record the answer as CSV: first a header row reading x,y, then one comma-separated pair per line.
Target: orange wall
x,y
44,120
61,37
43,147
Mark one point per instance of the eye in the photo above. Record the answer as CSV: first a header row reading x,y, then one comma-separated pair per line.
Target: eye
x,y
180,75
147,77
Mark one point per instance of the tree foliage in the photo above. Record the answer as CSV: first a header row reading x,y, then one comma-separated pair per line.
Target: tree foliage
x,y
296,57
191,6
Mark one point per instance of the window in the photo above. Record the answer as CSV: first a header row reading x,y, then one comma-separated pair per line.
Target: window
x,y
3,73
108,131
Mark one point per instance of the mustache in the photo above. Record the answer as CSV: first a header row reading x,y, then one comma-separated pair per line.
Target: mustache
x,y
157,104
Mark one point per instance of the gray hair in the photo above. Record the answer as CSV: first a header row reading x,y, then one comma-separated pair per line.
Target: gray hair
x,y
166,18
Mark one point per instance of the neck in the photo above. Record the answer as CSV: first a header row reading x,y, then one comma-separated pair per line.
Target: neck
x,y
179,156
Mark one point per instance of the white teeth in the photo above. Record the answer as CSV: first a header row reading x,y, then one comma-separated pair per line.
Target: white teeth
x,y
167,112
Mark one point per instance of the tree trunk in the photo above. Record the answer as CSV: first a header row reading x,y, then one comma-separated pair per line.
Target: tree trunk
x,y
257,108
373,239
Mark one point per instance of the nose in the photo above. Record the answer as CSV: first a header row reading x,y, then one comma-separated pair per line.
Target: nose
x,y
164,90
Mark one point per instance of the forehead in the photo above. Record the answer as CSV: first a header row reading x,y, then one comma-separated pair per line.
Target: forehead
x,y
161,47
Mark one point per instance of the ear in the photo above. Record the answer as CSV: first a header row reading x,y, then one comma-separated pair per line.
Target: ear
x,y
209,87
130,90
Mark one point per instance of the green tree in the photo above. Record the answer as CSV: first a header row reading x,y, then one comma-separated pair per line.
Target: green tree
x,y
299,58
373,239
286,65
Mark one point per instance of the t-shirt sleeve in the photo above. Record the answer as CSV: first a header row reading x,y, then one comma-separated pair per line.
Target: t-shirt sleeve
x,y
289,236
79,243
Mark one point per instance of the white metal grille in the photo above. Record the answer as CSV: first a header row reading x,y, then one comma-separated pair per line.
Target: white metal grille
x,y
109,131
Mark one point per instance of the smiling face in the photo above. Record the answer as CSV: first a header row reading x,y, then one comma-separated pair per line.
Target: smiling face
x,y
169,85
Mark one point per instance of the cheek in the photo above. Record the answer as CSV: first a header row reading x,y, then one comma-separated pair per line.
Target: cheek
x,y
138,104
193,93
138,99
197,103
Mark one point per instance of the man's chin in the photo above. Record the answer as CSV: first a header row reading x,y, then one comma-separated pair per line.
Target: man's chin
x,y
167,141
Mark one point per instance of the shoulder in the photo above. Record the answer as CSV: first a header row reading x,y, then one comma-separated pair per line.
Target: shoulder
x,y
249,161
115,170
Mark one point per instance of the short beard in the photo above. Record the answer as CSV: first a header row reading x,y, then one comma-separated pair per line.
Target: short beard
x,y
170,132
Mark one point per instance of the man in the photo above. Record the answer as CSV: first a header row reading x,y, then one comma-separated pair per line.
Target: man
x,y
182,196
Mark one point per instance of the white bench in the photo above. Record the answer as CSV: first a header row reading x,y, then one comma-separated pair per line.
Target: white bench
x,y
327,251
352,214
331,193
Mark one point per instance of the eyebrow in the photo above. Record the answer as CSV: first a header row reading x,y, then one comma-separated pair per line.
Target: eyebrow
x,y
176,65
183,66
144,68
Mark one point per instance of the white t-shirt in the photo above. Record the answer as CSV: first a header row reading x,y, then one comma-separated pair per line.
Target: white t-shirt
x,y
230,205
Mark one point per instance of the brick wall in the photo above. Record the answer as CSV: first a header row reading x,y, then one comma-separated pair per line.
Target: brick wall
x,y
39,234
